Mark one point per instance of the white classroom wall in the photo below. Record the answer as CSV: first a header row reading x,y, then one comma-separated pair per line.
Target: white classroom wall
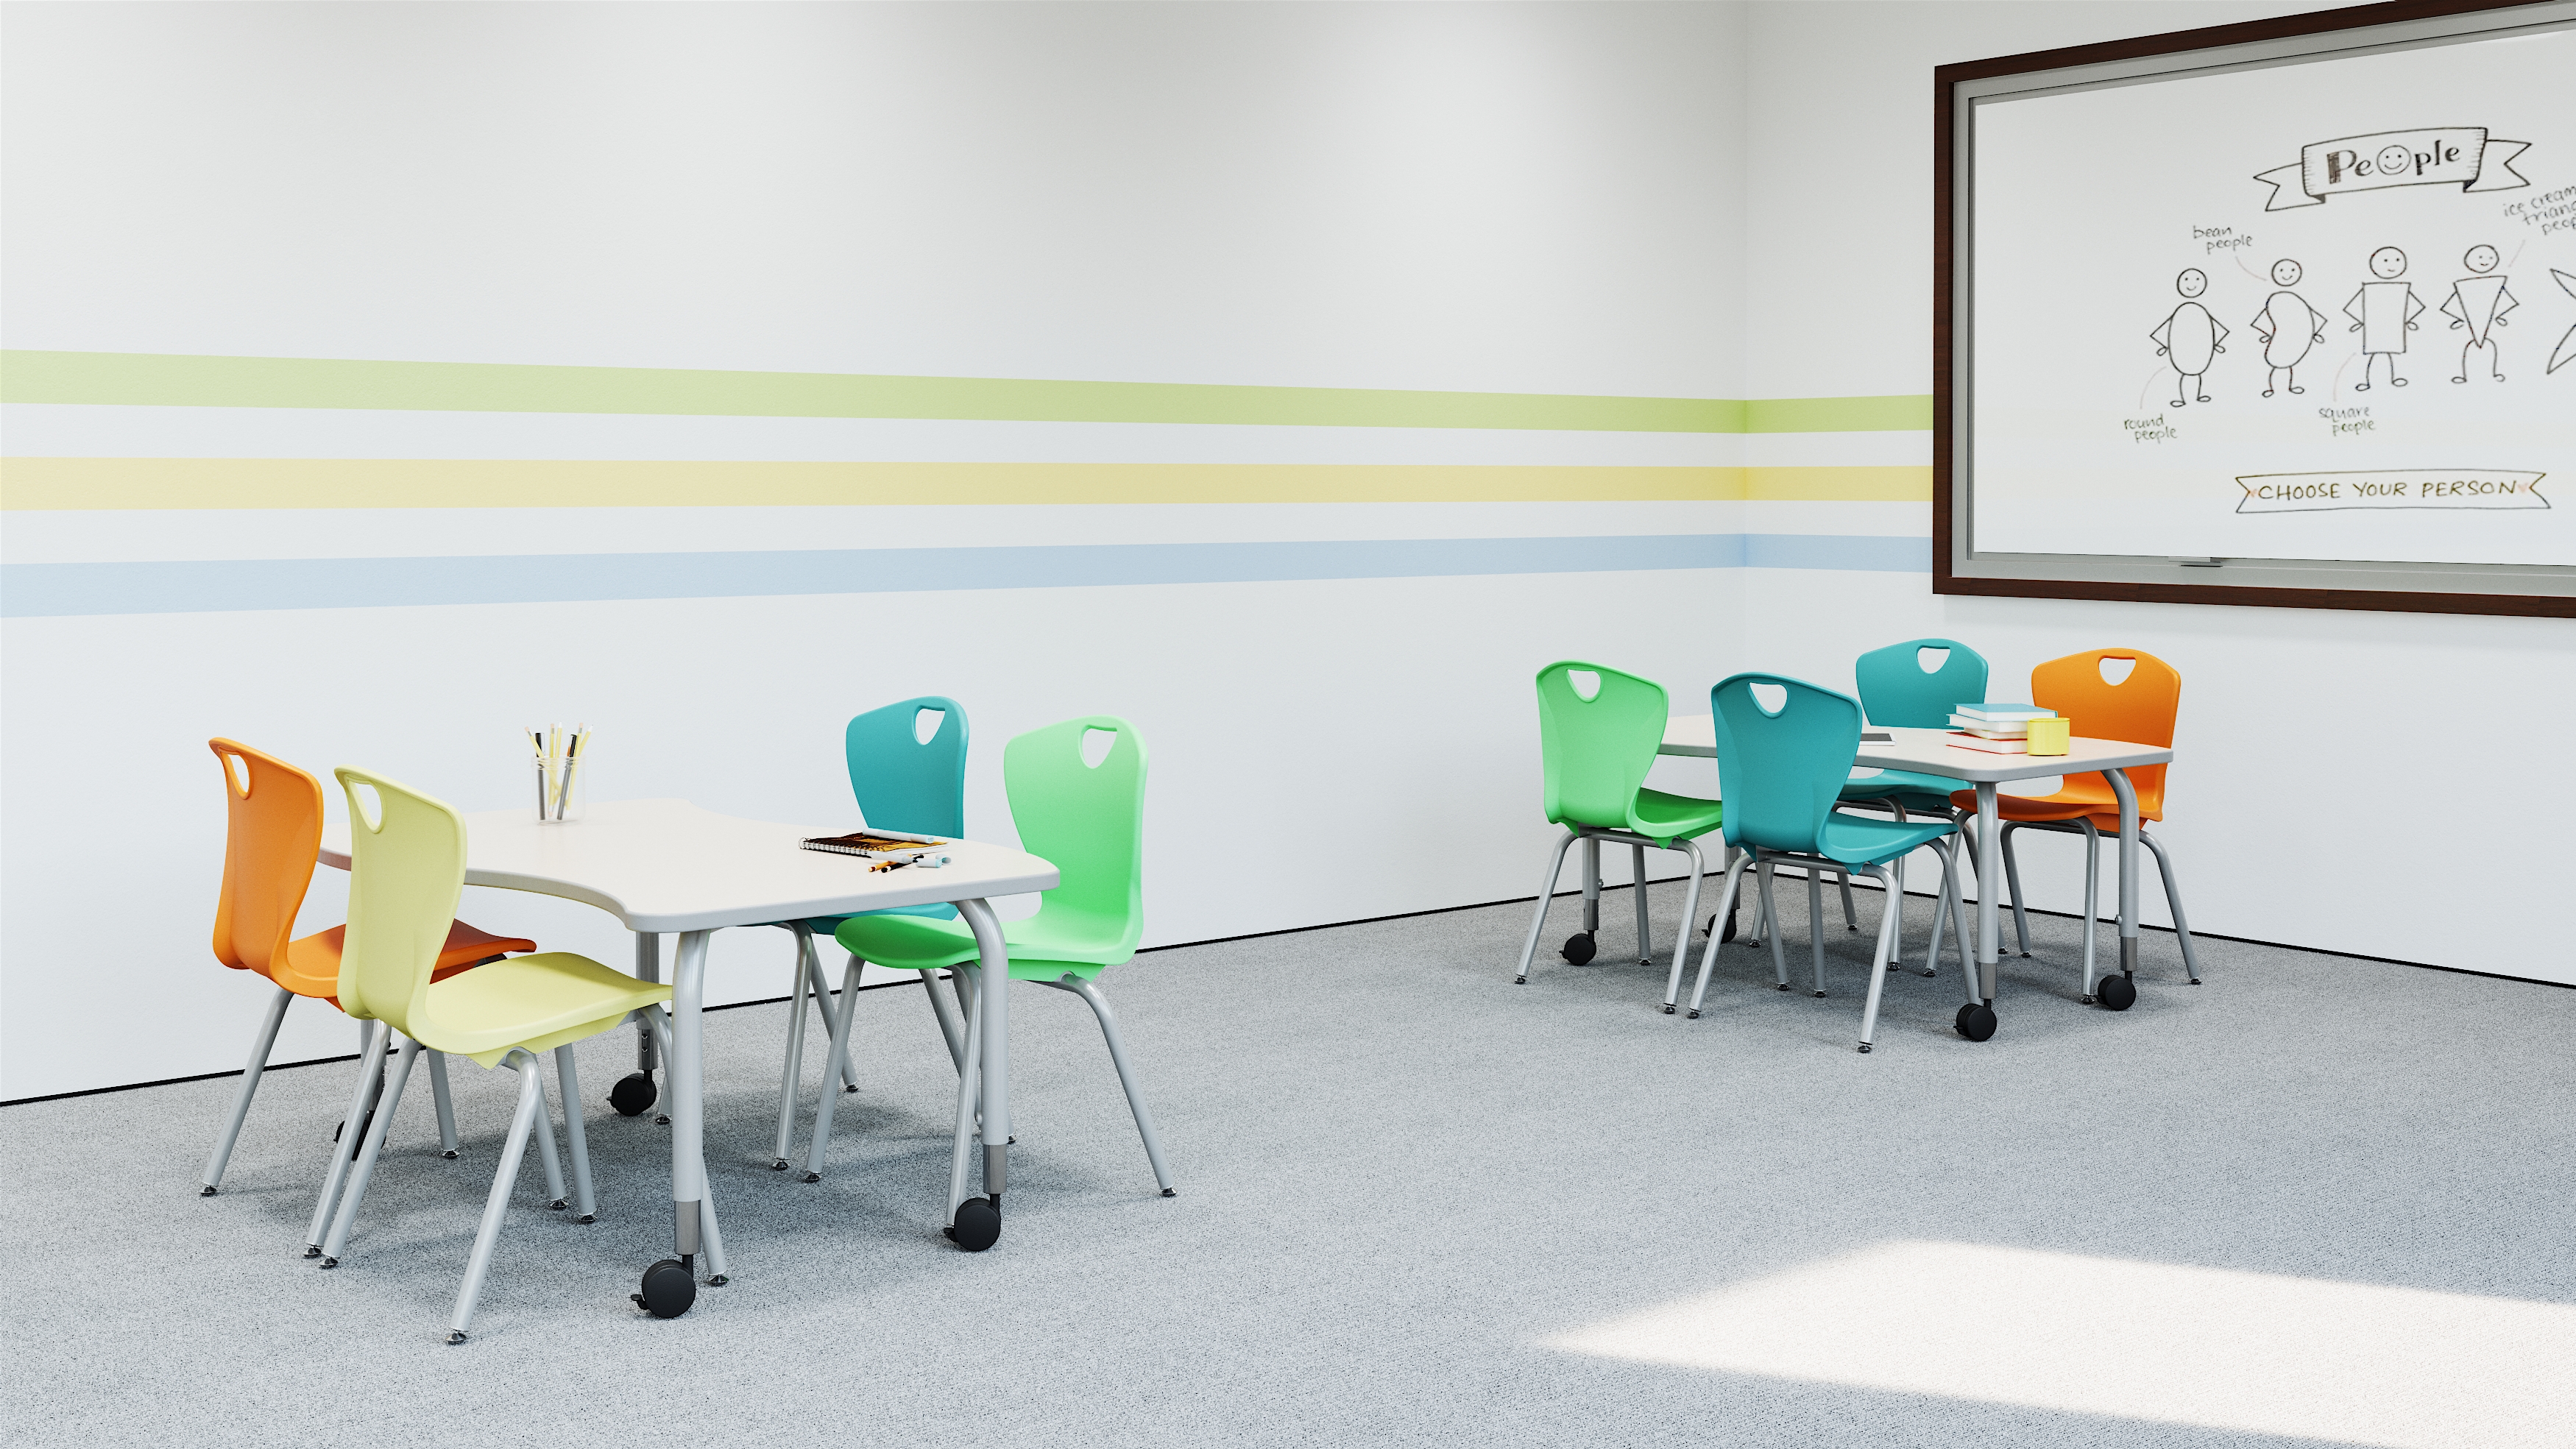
x,y
1683,201
1522,199
2346,781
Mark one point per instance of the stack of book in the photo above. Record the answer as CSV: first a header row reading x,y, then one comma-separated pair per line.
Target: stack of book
x,y
1997,729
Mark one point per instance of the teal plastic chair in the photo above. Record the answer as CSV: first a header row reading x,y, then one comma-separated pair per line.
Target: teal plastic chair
x,y
1594,751
1895,689
904,780
1784,768
1088,820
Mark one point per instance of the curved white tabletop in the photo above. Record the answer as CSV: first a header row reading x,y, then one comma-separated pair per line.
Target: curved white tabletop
x,y
667,865
1930,752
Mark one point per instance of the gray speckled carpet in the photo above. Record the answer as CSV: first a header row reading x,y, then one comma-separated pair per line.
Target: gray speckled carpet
x,y
1417,1205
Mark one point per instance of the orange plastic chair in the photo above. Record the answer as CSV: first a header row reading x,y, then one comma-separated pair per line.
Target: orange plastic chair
x,y
2140,709
272,831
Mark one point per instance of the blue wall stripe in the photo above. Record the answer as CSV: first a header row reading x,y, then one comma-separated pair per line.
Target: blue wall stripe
x,y
56,590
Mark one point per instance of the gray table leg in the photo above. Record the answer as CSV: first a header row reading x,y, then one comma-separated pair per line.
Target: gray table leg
x,y
992,1003
1989,924
2128,868
687,1079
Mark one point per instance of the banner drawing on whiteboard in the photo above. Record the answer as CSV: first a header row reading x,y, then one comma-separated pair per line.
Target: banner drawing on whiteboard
x,y
2390,488
2462,156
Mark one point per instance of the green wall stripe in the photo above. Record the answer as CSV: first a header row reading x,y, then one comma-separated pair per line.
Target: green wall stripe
x,y
137,379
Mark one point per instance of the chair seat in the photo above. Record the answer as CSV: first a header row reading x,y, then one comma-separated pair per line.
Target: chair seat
x,y
313,963
2083,796
1906,787
1868,840
1040,951
936,910
1660,816
536,1002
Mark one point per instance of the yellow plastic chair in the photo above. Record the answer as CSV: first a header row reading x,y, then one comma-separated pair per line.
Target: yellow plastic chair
x,y
406,870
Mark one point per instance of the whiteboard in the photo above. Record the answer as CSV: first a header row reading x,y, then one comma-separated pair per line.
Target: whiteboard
x,y
2316,308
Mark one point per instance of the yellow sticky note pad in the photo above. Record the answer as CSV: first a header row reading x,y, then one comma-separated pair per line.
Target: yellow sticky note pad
x,y
2051,736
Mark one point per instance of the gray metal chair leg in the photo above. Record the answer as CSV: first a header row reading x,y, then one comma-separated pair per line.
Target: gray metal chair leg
x,y
1546,897
556,1197
1816,924
1090,992
1645,934
840,1059
1725,903
1771,915
2173,903
2012,881
374,1147
1592,886
514,1151
585,1203
363,1096
1690,913
443,1098
260,1046
791,1076
823,1008
1851,917
948,1027
1891,923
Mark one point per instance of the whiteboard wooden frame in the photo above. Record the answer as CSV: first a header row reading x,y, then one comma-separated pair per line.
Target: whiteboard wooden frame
x,y
2288,583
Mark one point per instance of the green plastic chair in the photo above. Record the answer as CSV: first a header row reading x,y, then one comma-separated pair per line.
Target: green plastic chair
x,y
407,869
1784,769
902,781
1089,821
1594,751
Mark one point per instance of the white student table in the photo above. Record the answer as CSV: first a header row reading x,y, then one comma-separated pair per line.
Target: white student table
x,y
666,865
1929,752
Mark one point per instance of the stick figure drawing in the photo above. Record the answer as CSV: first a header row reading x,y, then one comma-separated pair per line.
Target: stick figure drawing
x,y
2478,302
2383,312
2566,352
2189,337
2288,327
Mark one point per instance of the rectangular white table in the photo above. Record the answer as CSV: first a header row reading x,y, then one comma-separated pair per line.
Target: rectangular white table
x,y
666,865
1928,752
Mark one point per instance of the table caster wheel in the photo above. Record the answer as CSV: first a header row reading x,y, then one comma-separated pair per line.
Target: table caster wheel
x,y
978,1225
2117,992
1578,948
633,1093
1976,1023
668,1289
1730,927
780,1165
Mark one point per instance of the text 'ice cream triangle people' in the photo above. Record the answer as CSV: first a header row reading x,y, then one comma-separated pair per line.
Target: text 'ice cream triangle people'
x,y
2288,327
2383,312
2189,337
2478,302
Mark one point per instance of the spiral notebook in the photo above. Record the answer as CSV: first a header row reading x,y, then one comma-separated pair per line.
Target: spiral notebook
x,y
871,843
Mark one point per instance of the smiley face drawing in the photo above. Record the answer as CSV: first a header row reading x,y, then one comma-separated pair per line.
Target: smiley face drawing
x,y
2392,160
2288,327
2478,303
2189,337
2383,312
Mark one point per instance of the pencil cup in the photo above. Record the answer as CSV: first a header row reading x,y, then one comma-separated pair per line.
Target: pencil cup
x,y
559,789
2051,736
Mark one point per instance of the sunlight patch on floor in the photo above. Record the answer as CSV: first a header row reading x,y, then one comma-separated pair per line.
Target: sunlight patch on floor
x,y
2215,1348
